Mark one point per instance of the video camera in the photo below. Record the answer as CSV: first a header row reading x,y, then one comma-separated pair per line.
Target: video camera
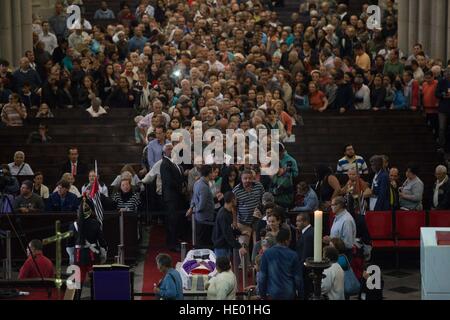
x,y
5,180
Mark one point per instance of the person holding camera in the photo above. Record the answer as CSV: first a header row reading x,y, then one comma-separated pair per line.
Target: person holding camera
x,y
282,187
287,161
8,183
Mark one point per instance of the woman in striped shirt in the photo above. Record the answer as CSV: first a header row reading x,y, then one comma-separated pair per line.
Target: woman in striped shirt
x,y
126,200
14,113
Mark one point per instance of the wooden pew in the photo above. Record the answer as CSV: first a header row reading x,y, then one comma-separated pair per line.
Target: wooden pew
x,y
40,226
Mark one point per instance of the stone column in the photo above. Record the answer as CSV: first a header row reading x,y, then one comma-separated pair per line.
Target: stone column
x,y
424,24
448,32
403,15
439,29
6,47
43,8
17,30
413,19
27,25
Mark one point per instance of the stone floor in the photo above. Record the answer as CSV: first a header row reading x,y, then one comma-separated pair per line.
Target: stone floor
x,y
401,284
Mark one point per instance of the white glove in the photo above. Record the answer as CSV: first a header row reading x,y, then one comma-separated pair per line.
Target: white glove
x,y
103,255
71,252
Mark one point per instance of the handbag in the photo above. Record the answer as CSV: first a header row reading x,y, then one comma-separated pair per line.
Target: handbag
x,y
352,286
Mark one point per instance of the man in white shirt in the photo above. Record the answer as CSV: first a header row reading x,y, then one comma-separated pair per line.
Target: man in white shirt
x,y
77,39
214,64
19,167
333,283
96,110
145,8
223,286
49,39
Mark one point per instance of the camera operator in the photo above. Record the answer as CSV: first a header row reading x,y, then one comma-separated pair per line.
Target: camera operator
x,y
282,187
8,184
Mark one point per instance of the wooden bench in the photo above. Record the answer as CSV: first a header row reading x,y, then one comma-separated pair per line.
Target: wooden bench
x,y
42,225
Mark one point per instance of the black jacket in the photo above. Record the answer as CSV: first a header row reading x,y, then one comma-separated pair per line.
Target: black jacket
x,y
120,99
172,181
305,245
443,196
223,236
91,232
82,169
441,90
344,96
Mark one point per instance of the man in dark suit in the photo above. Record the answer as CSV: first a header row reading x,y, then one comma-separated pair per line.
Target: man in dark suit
x,y
441,191
380,186
73,166
172,195
305,248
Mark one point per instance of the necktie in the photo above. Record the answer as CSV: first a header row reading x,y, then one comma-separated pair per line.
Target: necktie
x,y
74,169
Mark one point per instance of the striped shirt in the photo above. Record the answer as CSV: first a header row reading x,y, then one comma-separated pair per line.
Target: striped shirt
x,y
247,201
129,203
346,164
10,113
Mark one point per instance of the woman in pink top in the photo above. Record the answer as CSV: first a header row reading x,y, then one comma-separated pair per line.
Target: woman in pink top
x,y
284,116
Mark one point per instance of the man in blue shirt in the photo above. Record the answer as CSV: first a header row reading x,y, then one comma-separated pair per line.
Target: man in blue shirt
x,y
63,200
280,276
344,226
104,13
171,285
202,205
155,147
138,41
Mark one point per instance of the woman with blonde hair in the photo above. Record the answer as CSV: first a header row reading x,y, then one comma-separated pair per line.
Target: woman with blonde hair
x,y
127,172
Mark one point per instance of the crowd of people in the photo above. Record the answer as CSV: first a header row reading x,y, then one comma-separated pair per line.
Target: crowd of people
x,y
230,65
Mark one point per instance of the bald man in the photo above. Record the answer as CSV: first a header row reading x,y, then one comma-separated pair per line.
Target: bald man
x,y
441,190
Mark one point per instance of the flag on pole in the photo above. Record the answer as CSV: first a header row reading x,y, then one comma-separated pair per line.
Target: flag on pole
x,y
96,199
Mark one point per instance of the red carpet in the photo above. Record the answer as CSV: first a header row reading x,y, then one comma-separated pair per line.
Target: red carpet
x,y
156,246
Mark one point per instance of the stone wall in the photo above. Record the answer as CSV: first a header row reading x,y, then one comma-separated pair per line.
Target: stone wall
x,y
426,22
15,29
43,8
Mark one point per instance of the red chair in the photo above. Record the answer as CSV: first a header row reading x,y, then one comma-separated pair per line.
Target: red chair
x,y
379,224
407,230
439,219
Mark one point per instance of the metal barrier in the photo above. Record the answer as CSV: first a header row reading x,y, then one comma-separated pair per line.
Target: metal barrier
x,y
7,262
183,251
245,264
121,247
194,238
242,261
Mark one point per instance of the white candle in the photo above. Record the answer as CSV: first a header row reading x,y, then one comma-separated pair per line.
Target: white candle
x,y
318,236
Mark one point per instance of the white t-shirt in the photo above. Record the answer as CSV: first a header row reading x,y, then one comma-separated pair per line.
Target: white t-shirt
x,y
101,111
333,283
223,286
